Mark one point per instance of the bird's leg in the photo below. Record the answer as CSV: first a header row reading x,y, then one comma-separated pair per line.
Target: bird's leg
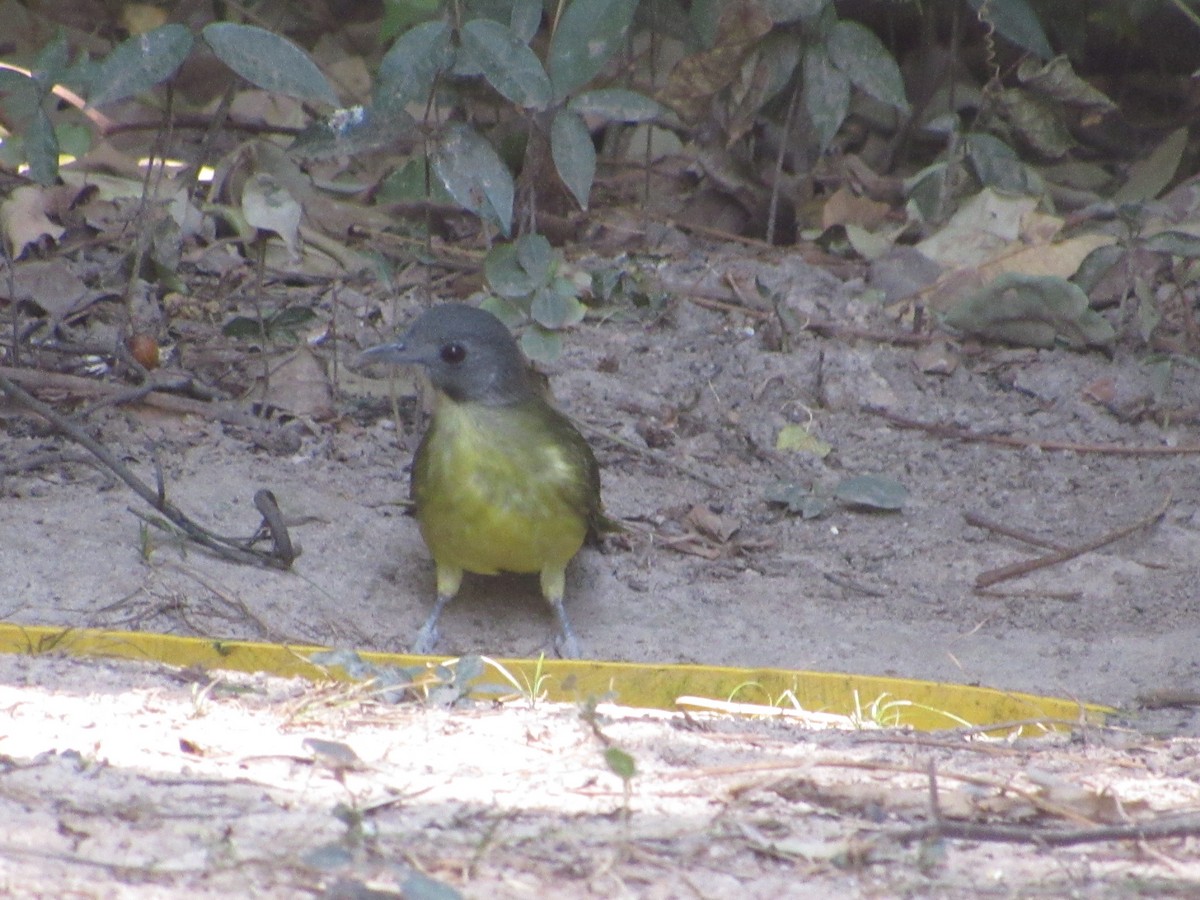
x,y
554,582
427,637
566,643
448,582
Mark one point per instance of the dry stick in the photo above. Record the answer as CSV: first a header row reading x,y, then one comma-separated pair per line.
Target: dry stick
x,y
228,548
879,336
1167,827
986,579
50,458
777,175
1167,698
973,437
1019,534
109,394
718,234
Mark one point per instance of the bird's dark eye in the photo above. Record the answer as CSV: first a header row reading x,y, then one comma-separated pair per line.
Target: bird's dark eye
x,y
454,353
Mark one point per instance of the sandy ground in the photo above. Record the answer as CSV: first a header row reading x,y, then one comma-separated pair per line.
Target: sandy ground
x,y
125,780
684,412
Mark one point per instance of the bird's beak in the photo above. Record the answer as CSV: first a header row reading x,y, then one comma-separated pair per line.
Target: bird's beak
x,y
397,353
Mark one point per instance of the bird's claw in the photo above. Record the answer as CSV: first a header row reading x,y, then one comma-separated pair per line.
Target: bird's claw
x,y
426,640
567,646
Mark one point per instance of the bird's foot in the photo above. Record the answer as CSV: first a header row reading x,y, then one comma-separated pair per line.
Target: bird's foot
x,y
565,643
426,640
427,637
567,647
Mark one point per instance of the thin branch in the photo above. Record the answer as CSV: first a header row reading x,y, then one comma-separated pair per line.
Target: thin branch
x,y
1018,534
228,548
1004,573
953,432
1166,827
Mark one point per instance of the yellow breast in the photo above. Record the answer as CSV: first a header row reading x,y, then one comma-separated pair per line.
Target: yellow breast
x,y
503,489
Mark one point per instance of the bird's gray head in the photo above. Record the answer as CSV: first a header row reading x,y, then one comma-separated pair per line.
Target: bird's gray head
x,y
469,354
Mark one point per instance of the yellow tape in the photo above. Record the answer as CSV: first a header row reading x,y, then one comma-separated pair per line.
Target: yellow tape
x,y
922,705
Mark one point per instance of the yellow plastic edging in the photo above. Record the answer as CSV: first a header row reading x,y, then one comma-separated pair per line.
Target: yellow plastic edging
x,y
923,705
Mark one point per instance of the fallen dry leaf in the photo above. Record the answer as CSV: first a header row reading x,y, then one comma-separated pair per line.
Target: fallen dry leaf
x,y
23,220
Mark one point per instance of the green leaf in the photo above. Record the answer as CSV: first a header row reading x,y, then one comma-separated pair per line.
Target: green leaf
x,y
826,95
139,63
778,57
536,257
400,15
282,324
51,62
22,97
588,34
541,344
503,310
550,309
1031,311
1096,265
269,61
1150,176
873,492
475,175
526,19
574,154
506,275
620,762
508,65
616,105
1016,21
41,148
798,499
1174,243
798,439
998,166
407,185
408,70
863,59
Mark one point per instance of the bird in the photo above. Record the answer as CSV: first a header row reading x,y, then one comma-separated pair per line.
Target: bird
x,y
501,480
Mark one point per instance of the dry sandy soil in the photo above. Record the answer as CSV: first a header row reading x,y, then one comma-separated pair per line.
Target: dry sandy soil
x,y
683,410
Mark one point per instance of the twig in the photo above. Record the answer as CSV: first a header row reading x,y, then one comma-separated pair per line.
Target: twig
x,y
777,176
228,548
955,433
717,234
51,458
986,579
1166,827
1011,531
698,298
109,394
849,332
274,526
1168,698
